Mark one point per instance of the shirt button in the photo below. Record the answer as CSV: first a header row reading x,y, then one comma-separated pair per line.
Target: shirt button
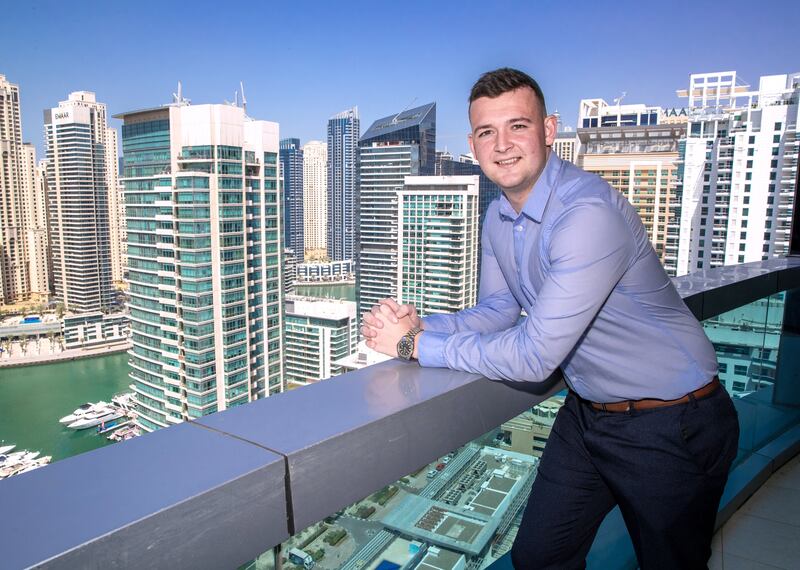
x,y
519,228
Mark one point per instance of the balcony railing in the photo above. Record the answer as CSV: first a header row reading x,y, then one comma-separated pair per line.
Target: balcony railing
x,y
218,491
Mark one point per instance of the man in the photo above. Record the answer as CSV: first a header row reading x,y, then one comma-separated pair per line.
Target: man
x,y
645,425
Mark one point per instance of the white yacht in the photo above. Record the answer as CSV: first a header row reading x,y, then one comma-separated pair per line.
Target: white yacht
x,y
6,448
83,411
96,419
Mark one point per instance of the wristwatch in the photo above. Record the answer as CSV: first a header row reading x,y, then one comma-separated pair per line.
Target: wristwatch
x,y
405,346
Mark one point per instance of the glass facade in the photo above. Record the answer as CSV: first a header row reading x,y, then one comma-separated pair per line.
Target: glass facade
x,y
343,132
291,158
394,147
205,288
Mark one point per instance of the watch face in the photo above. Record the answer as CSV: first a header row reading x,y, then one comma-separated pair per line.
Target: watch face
x,y
405,348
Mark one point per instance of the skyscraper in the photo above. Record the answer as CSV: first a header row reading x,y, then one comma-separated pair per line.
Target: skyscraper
x,y
343,132
23,219
291,157
636,152
315,200
116,210
79,181
394,147
738,170
437,259
203,217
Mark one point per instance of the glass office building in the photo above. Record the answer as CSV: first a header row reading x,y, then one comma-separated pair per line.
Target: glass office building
x,y
400,145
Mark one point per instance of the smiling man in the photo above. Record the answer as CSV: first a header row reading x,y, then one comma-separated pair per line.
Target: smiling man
x,y
646,424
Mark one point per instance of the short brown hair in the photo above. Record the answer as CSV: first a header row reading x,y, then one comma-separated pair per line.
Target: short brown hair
x,y
494,83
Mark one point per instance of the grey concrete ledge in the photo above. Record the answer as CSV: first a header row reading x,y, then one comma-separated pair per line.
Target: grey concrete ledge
x,y
218,491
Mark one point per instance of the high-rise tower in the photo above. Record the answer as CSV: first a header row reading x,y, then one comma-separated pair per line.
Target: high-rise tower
x,y
315,201
203,220
343,133
738,170
79,180
291,157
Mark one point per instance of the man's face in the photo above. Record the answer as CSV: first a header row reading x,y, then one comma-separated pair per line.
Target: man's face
x,y
509,138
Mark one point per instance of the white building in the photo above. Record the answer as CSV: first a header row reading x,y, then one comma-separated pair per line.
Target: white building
x,y
80,181
437,243
738,170
24,252
318,333
315,195
204,260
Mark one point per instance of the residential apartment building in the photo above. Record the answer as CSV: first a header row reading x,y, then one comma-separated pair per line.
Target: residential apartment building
x,y
204,253
80,180
291,157
393,148
315,199
318,333
629,147
343,132
23,216
738,170
437,243
566,145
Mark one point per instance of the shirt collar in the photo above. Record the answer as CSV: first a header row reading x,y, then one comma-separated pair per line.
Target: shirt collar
x,y
537,199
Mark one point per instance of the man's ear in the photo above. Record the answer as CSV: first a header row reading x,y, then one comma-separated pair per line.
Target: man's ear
x,y
550,129
471,145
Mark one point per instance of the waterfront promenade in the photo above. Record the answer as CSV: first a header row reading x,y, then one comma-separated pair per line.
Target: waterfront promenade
x,y
47,352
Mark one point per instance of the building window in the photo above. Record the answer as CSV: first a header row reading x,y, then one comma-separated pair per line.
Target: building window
x,y
776,139
741,247
751,151
778,126
774,163
749,164
743,235
741,259
767,236
745,211
723,367
765,249
747,199
740,370
751,140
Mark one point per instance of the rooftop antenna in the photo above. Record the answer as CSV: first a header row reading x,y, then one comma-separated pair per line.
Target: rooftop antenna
x,y
244,101
178,97
406,108
619,99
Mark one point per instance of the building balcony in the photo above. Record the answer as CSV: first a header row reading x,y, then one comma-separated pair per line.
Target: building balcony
x,y
219,491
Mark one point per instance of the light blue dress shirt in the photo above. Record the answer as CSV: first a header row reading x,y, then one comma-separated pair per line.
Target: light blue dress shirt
x,y
599,304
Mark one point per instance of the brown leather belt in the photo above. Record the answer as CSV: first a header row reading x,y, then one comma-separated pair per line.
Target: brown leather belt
x,y
649,403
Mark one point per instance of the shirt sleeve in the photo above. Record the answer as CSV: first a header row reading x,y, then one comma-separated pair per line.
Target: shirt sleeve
x,y
496,310
590,249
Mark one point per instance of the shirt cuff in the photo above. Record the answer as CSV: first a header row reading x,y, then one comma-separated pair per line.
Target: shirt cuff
x,y
430,350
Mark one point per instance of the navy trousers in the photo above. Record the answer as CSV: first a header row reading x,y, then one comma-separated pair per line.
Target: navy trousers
x,y
665,467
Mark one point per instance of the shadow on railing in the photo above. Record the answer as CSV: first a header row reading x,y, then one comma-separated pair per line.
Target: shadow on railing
x,y
218,491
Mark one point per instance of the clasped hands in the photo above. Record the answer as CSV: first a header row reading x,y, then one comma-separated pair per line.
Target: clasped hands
x,y
386,323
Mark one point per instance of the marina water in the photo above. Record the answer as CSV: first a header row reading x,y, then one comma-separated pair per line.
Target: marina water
x,y
33,398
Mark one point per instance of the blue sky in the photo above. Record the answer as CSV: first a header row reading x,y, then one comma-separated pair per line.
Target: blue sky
x,y
303,61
